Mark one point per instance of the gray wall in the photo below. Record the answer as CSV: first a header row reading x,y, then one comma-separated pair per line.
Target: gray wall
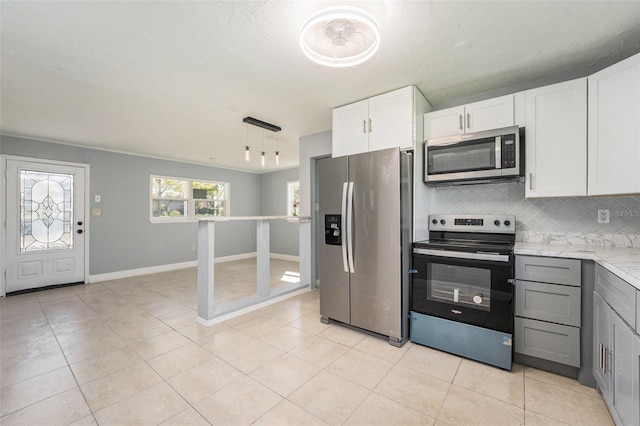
x,y
123,237
273,202
312,148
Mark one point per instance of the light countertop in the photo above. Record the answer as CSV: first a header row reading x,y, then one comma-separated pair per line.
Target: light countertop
x,y
622,261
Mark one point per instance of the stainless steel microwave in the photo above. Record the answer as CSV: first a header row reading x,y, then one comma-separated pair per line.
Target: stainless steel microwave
x,y
494,155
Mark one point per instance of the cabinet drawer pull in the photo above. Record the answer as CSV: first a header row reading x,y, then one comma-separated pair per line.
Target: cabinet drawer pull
x,y
468,121
531,181
364,126
460,117
369,125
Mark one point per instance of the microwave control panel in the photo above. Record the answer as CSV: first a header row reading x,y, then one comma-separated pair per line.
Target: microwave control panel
x,y
508,151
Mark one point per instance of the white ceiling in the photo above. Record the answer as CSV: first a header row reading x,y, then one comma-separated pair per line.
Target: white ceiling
x,y
174,79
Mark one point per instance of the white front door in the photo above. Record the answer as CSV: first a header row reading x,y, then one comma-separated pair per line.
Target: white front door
x,y
45,224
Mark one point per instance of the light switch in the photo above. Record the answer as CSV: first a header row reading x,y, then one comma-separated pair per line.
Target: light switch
x,y
97,198
96,212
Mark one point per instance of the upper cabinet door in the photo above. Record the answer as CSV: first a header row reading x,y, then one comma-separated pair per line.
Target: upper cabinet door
x,y
490,114
614,129
445,122
556,140
350,129
391,120
476,117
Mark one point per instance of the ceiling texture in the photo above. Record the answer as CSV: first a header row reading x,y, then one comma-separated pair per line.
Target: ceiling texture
x,y
174,79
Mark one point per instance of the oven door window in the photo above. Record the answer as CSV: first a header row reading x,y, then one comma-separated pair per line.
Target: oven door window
x,y
482,289
459,285
478,154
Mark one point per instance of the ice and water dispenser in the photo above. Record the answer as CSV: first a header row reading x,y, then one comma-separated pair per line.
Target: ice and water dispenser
x,y
333,229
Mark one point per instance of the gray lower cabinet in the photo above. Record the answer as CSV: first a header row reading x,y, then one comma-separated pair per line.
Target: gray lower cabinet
x,y
601,331
548,309
546,340
616,347
636,379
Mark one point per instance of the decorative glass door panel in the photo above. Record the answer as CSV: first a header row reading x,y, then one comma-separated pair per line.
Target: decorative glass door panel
x,y
45,224
46,211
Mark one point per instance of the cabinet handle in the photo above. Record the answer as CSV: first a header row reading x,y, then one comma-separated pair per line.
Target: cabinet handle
x,y
364,126
369,125
531,181
600,355
468,121
607,352
460,117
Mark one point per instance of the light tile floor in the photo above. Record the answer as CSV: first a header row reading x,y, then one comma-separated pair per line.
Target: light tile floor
x,y
129,352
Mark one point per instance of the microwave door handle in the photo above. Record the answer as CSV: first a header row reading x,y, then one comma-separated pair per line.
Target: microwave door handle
x,y
344,226
498,152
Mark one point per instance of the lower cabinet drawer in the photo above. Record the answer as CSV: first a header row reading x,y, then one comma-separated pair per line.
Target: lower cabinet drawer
x,y
553,342
548,302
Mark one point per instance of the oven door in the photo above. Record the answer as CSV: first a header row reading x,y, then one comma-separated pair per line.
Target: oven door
x,y
471,288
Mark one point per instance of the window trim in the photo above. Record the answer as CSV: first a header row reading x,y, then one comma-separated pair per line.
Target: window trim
x,y
290,196
190,217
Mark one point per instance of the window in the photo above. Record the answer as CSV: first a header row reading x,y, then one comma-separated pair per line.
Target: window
x,y
293,198
180,200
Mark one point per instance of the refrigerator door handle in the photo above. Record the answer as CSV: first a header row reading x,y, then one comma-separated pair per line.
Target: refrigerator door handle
x,y
344,226
352,269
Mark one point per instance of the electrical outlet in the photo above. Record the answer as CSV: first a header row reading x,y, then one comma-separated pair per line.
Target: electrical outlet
x,y
603,216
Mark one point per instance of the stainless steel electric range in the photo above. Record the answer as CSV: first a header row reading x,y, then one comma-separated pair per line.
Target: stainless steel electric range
x,y
462,287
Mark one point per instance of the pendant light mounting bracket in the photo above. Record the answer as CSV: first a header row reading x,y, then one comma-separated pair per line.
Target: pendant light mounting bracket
x,y
262,124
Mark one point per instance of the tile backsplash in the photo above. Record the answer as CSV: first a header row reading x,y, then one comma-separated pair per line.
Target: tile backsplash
x,y
571,220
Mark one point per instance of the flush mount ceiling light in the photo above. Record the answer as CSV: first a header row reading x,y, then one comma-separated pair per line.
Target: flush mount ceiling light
x,y
340,37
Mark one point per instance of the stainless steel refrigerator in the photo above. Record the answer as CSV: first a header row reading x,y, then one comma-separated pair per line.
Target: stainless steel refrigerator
x,y
364,241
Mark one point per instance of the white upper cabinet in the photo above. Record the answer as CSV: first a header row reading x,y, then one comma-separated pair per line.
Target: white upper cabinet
x,y
349,134
484,115
391,120
383,121
556,140
614,129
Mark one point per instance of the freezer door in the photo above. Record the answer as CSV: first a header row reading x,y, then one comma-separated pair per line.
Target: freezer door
x,y
376,285
334,280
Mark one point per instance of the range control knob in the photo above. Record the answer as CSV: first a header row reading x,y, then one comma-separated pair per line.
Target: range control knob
x,y
442,221
434,221
497,222
507,222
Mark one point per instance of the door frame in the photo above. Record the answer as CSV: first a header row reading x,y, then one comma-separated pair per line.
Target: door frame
x,y
3,212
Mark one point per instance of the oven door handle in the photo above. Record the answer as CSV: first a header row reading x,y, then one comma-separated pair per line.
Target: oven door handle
x,y
463,255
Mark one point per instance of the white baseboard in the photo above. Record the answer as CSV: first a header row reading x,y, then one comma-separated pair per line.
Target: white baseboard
x,y
175,266
141,271
285,257
233,257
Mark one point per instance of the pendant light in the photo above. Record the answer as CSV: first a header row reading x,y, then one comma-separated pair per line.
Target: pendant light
x,y
265,126
247,154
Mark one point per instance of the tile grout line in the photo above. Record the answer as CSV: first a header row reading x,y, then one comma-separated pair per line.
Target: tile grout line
x,y
73,374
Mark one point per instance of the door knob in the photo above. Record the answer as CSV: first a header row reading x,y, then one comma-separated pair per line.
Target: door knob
x,y
79,231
